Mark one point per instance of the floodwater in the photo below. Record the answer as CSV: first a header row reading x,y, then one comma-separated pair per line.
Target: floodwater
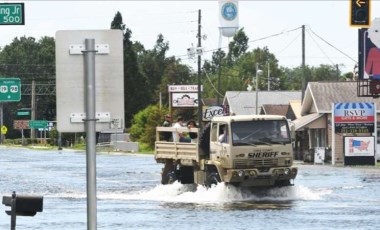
x,y
130,196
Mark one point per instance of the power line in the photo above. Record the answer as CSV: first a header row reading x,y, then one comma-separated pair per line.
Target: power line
x,y
251,41
320,48
212,85
332,45
288,45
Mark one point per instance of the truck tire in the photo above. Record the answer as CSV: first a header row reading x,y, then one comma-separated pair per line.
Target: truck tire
x,y
212,179
169,178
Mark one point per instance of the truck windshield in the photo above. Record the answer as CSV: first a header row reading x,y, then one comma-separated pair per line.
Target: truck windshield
x,y
260,132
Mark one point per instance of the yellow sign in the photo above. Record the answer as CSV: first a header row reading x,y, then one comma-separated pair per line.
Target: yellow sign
x,y
4,129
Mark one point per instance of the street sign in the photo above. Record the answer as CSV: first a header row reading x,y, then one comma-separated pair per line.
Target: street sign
x,y
12,14
4,129
70,79
23,113
21,124
38,124
10,89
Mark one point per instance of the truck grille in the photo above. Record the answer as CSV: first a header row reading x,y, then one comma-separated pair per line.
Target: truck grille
x,y
254,163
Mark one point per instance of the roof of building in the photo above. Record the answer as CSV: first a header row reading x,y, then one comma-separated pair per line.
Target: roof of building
x,y
244,102
275,109
305,120
295,106
319,96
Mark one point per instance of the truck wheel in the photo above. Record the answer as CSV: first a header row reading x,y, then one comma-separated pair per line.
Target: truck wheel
x,y
212,178
169,178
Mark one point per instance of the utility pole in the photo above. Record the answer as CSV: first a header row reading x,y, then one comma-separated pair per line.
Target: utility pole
x,y
219,75
303,63
268,76
219,66
199,71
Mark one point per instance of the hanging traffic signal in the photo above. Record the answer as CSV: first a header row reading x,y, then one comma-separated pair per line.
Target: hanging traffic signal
x,y
360,13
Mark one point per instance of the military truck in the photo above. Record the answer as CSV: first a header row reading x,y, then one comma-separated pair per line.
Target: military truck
x,y
248,151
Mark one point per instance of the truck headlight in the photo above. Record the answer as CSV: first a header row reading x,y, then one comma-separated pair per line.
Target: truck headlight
x,y
286,171
241,173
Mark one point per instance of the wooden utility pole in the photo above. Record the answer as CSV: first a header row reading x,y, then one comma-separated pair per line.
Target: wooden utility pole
x,y
303,63
199,71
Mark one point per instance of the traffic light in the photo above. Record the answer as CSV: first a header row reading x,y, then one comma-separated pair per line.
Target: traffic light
x,y
360,12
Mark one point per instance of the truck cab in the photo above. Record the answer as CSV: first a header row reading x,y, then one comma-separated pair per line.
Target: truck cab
x,y
252,151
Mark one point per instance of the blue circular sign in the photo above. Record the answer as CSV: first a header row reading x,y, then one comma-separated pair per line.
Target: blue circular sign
x,y
229,11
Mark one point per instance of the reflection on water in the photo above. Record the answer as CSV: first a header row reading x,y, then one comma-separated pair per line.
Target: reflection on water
x,y
233,206
252,205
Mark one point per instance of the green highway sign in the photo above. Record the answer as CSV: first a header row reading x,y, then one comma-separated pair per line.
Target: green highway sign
x,y
23,113
38,124
10,89
12,14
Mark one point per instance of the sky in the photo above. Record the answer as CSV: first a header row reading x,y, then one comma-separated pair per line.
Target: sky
x,y
329,38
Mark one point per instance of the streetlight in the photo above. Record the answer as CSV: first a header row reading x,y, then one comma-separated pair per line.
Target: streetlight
x,y
258,73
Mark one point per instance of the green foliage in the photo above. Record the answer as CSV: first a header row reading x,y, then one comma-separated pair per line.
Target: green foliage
x,y
238,46
144,124
134,81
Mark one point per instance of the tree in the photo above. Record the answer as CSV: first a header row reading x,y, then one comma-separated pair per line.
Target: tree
x,y
152,64
175,73
135,82
237,46
144,124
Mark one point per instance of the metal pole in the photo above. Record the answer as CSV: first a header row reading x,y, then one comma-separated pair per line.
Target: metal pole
x,y
199,72
59,141
34,110
90,123
257,88
13,211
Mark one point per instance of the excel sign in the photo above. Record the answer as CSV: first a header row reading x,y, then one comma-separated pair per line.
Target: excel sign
x,y
10,89
12,14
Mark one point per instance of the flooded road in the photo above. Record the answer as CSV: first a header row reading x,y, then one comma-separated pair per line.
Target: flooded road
x,y
130,196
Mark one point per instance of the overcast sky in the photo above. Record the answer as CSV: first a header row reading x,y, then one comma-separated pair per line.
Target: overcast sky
x,y
178,22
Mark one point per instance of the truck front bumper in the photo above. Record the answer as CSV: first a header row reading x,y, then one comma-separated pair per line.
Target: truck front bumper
x,y
260,178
